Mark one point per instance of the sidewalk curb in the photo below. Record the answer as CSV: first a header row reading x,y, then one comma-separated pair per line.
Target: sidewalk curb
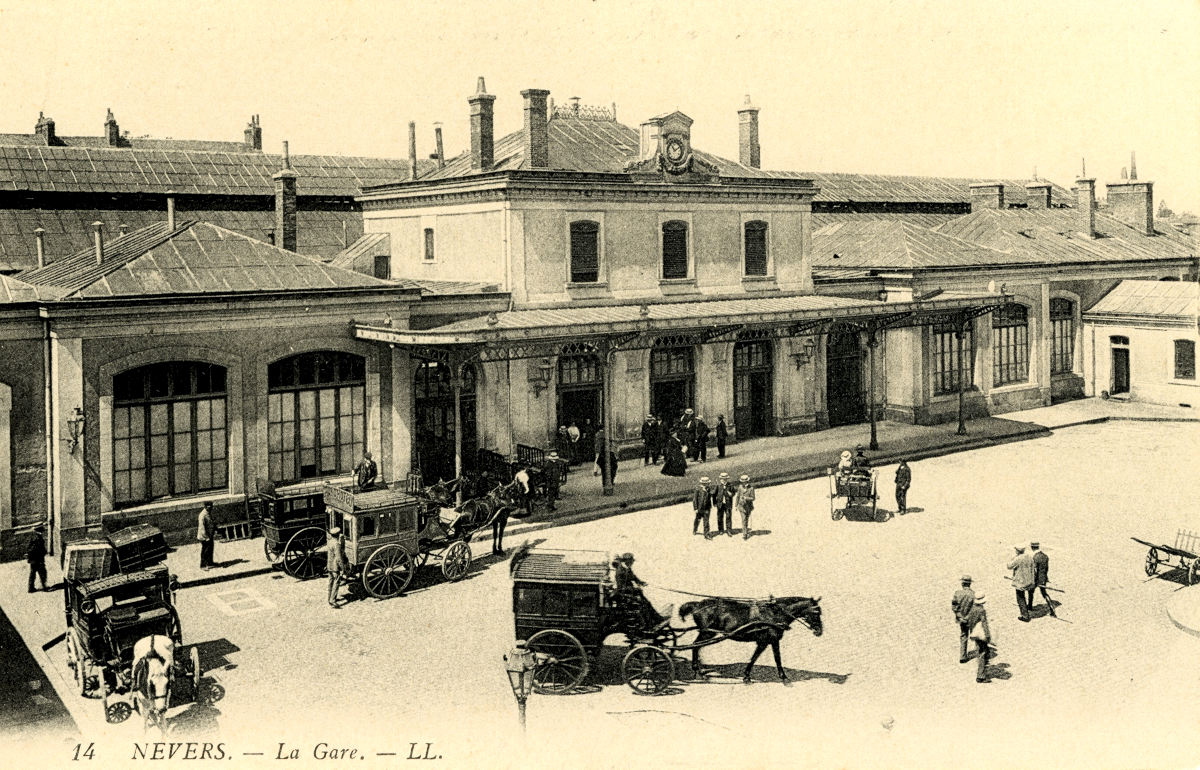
x,y
1187,629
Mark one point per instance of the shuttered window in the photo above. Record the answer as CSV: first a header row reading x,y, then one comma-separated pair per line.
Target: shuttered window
x,y
675,249
585,252
1185,360
756,248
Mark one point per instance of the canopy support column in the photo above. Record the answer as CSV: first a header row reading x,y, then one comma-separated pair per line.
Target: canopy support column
x,y
872,342
959,333
606,468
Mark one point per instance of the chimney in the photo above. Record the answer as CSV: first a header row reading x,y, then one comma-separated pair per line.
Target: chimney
x,y
285,203
252,136
1085,205
482,104
1038,195
97,228
171,210
45,130
748,149
111,131
1132,202
989,195
1132,166
412,150
437,138
124,228
537,141
40,235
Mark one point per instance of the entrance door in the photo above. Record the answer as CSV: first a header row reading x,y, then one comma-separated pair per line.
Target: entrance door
x,y
435,424
668,399
1120,370
672,382
753,402
844,396
580,406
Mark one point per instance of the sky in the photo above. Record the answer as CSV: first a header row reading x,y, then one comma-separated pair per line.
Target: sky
x,y
976,89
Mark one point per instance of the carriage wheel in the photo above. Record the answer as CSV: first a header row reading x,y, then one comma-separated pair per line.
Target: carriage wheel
x,y
271,553
304,554
388,572
117,711
567,664
837,514
1152,561
195,655
648,670
421,558
1193,572
456,561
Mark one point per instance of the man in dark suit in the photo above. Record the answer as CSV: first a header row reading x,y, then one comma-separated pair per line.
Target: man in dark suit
x,y
36,556
702,431
649,440
687,432
722,435
723,501
702,505
1041,576
964,599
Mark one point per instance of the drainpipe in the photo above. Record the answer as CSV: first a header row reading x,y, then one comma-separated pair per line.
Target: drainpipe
x,y
47,374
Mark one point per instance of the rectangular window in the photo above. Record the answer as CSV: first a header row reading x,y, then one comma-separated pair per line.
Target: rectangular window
x,y
674,249
585,252
756,248
1010,345
1062,336
948,370
383,266
429,253
1185,360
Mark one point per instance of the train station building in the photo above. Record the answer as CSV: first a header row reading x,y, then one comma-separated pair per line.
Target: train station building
x,y
577,270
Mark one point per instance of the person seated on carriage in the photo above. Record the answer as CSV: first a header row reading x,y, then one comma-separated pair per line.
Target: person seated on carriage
x,y
365,472
630,597
861,464
845,464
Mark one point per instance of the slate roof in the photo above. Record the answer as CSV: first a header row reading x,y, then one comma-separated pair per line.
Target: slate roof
x,y
588,144
14,290
898,244
1053,236
1162,299
360,255
140,142
195,258
449,287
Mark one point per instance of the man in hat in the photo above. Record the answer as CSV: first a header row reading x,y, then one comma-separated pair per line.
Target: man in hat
x,y
964,599
723,501
649,440
702,506
629,587
206,530
1041,576
743,500
556,468
687,432
903,482
722,435
1022,579
861,462
981,634
35,554
335,562
365,472
702,431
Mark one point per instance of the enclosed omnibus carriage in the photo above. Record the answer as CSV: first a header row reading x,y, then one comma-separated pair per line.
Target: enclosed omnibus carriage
x,y
106,619
293,526
134,548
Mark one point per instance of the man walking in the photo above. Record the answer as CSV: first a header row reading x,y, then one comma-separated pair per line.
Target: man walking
x,y
1022,578
963,601
556,468
722,435
702,506
723,500
649,439
206,530
743,500
36,556
702,431
1041,577
335,562
903,482
687,432
981,634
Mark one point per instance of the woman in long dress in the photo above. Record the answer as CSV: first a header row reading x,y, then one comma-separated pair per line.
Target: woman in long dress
x,y
674,463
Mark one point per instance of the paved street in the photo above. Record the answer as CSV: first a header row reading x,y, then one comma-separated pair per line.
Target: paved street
x,y
1112,684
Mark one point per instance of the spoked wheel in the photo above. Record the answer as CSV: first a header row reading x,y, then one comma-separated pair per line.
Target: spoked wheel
x,y
116,712
567,664
1152,561
421,559
456,560
304,554
272,553
838,513
1193,572
388,572
648,670
195,656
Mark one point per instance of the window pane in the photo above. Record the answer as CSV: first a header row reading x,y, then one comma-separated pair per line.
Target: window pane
x,y
183,479
308,404
121,455
158,482
120,423
158,451
158,419
218,444
183,416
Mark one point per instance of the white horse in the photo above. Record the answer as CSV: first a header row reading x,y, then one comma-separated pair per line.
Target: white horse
x,y
153,659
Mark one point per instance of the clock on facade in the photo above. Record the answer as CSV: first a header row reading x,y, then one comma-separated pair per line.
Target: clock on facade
x,y
675,149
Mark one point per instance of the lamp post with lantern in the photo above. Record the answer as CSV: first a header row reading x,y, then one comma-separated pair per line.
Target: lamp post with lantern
x,y
520,664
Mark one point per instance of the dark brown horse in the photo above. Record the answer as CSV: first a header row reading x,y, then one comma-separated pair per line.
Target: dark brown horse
x,y
495,508
761,622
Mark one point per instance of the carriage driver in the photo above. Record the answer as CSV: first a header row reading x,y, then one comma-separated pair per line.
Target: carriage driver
x,y
629,593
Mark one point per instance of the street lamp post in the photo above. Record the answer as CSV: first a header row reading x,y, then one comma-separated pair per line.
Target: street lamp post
x,y
520,664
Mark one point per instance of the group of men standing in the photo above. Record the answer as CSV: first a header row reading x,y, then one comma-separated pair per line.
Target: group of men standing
x,y
690,431
726,498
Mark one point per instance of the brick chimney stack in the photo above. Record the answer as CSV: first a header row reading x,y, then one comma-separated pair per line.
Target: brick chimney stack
x,y
412,149
45,130
252,136
285,204
1085,205
98,237
989,195
748,149
1132,202
1038,194
482,105
40,237
437,138
171,210
112,132
537,139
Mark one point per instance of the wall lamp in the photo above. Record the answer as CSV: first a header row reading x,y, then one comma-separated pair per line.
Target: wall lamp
x,y
539,375
802,357
75,425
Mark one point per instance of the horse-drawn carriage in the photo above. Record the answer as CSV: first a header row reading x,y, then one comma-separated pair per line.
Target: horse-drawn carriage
x,y
127,550
859,487
293,526
566,604
124,638
1186,550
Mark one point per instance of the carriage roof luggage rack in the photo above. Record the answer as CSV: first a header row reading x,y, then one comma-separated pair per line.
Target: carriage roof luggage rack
x,y
156,575
563,566
350,502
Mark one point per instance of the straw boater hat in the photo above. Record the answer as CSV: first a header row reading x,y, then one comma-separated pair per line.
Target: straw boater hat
x,y
723,475
1019,548
966,578
688,411
980,599
743,477
553,454
704,479
335,531
1035,544
846,454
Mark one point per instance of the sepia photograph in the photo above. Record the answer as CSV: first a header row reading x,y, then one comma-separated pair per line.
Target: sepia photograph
x,y
599,384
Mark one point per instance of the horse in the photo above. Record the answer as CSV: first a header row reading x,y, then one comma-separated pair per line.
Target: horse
x,y
443,492
761,622
495,507
153,657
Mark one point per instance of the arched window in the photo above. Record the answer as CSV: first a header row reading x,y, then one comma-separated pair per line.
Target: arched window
x,y
1010,345
1062,336
756,248
169,433
585,252
1185,360
674,249
316,415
